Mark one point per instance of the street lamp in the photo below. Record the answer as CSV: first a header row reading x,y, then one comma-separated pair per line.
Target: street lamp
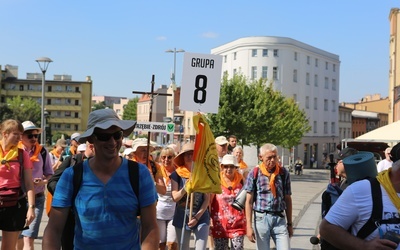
x,y
173,84
43,64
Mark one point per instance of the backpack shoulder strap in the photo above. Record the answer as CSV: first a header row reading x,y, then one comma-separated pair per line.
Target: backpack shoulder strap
x,y
77,180
153,168
21,168
377,208
133,169
43,153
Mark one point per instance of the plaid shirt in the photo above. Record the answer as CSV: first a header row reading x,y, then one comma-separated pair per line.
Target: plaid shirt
x,y
264,200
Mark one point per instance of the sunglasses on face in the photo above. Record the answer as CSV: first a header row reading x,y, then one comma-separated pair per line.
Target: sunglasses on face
x,y
169,157
30,136
229,166
105,137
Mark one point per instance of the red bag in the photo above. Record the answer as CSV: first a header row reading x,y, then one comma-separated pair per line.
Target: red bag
x,y
9,197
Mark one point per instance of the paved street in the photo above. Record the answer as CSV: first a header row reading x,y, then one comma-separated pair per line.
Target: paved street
x,y
306,198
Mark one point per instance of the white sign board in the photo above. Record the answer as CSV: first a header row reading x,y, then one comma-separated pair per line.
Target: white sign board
x,y
155,127
201,82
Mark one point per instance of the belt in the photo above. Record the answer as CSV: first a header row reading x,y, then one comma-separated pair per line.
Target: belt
x,y
274,213
39,194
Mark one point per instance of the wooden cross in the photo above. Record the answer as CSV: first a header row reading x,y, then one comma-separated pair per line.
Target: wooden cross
x,y
151,95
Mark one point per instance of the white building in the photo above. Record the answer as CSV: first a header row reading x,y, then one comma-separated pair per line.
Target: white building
x,y
300,71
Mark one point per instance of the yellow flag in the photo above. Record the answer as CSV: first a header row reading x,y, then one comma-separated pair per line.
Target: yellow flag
x,y
205,176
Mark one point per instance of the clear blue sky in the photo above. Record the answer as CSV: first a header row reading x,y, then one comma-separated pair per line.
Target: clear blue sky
x,y
121,44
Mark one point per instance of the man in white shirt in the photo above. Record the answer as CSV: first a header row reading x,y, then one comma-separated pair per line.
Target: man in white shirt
x,y
385,163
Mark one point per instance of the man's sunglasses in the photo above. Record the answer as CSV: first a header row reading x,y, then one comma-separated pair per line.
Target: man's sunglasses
x,y
105,137
30,136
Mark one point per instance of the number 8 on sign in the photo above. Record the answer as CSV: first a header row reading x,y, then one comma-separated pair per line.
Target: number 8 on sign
x,y
201,82
200,93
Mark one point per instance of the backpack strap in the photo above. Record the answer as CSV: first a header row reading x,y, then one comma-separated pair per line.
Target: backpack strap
x,y
153,168
43,153
21,169
77,180
133,169
377,208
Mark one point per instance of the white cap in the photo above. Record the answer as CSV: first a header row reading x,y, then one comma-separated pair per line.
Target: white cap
x,y
82,147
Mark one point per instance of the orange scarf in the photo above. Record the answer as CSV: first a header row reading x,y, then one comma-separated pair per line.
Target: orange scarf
x,y
148,165
183,172
36,152
165,174
271,176
236,180
242,164
55,153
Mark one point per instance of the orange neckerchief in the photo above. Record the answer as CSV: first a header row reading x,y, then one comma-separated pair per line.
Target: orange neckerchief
x,y
183,171
73,149
236,180
36,152
165,174
271,176
11,154
148,165
242,164
55,153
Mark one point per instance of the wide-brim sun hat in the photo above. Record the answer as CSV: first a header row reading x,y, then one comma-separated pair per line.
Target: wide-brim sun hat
x,y
28,125
127,151
221,140
229,160
179,161
104,119
75,136
82,147
142,142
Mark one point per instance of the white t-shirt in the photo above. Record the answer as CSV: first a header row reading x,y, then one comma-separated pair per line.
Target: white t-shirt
x,y
166,205
354,208
383,165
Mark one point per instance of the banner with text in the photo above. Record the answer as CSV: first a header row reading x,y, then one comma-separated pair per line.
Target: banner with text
x,y
155,127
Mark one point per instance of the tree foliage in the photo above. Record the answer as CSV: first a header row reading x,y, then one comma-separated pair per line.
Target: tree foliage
x,y
100,105
130,109
25,109
258,114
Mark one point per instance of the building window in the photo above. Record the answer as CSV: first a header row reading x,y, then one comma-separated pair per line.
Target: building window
x,y
264,72
333,127
265,52
276,52
68,101
325,104
234,71
334,67
295,75
67,113
59,88
295,56
254,72
76,115
326,65
21,87
275,73
316,62
326,83
254,53
308,78
225,58
315,128
333,106
333,84
308,60
307,102
316,80
234,55
315,103
325,128
76,102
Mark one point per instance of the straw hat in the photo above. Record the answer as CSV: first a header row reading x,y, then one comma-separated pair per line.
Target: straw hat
x,y
28,125
179,161
229,160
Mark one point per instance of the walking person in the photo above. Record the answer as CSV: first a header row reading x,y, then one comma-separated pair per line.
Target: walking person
x,y
165,204
227,223
268,201
41,173
106,205
243,168
385,163
199,221
15,182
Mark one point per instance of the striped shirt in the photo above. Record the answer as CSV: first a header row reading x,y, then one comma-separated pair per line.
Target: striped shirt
x,y
106,213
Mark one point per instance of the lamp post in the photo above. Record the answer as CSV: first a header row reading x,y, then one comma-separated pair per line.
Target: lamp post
x,y
43,64
173,83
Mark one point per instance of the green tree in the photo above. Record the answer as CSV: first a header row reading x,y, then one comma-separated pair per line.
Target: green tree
x,y
5,112
100,105
257,114
25,109
130,109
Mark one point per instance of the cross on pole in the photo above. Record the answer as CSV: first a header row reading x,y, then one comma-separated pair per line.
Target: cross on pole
x,y
151,95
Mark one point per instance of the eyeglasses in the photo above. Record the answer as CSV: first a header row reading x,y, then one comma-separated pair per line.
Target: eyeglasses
x,y
105,137
229,166
169,157
30,136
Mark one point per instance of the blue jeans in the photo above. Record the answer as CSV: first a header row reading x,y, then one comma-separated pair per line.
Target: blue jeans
x,y
200,236
267,226
33,230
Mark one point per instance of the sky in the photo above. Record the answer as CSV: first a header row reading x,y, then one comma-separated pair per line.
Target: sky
x,y
121,44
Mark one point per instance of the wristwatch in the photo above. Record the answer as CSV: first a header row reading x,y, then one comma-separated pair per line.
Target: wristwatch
x,y
31,206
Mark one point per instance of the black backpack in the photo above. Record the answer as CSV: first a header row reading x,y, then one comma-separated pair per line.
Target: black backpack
x,y
133,169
